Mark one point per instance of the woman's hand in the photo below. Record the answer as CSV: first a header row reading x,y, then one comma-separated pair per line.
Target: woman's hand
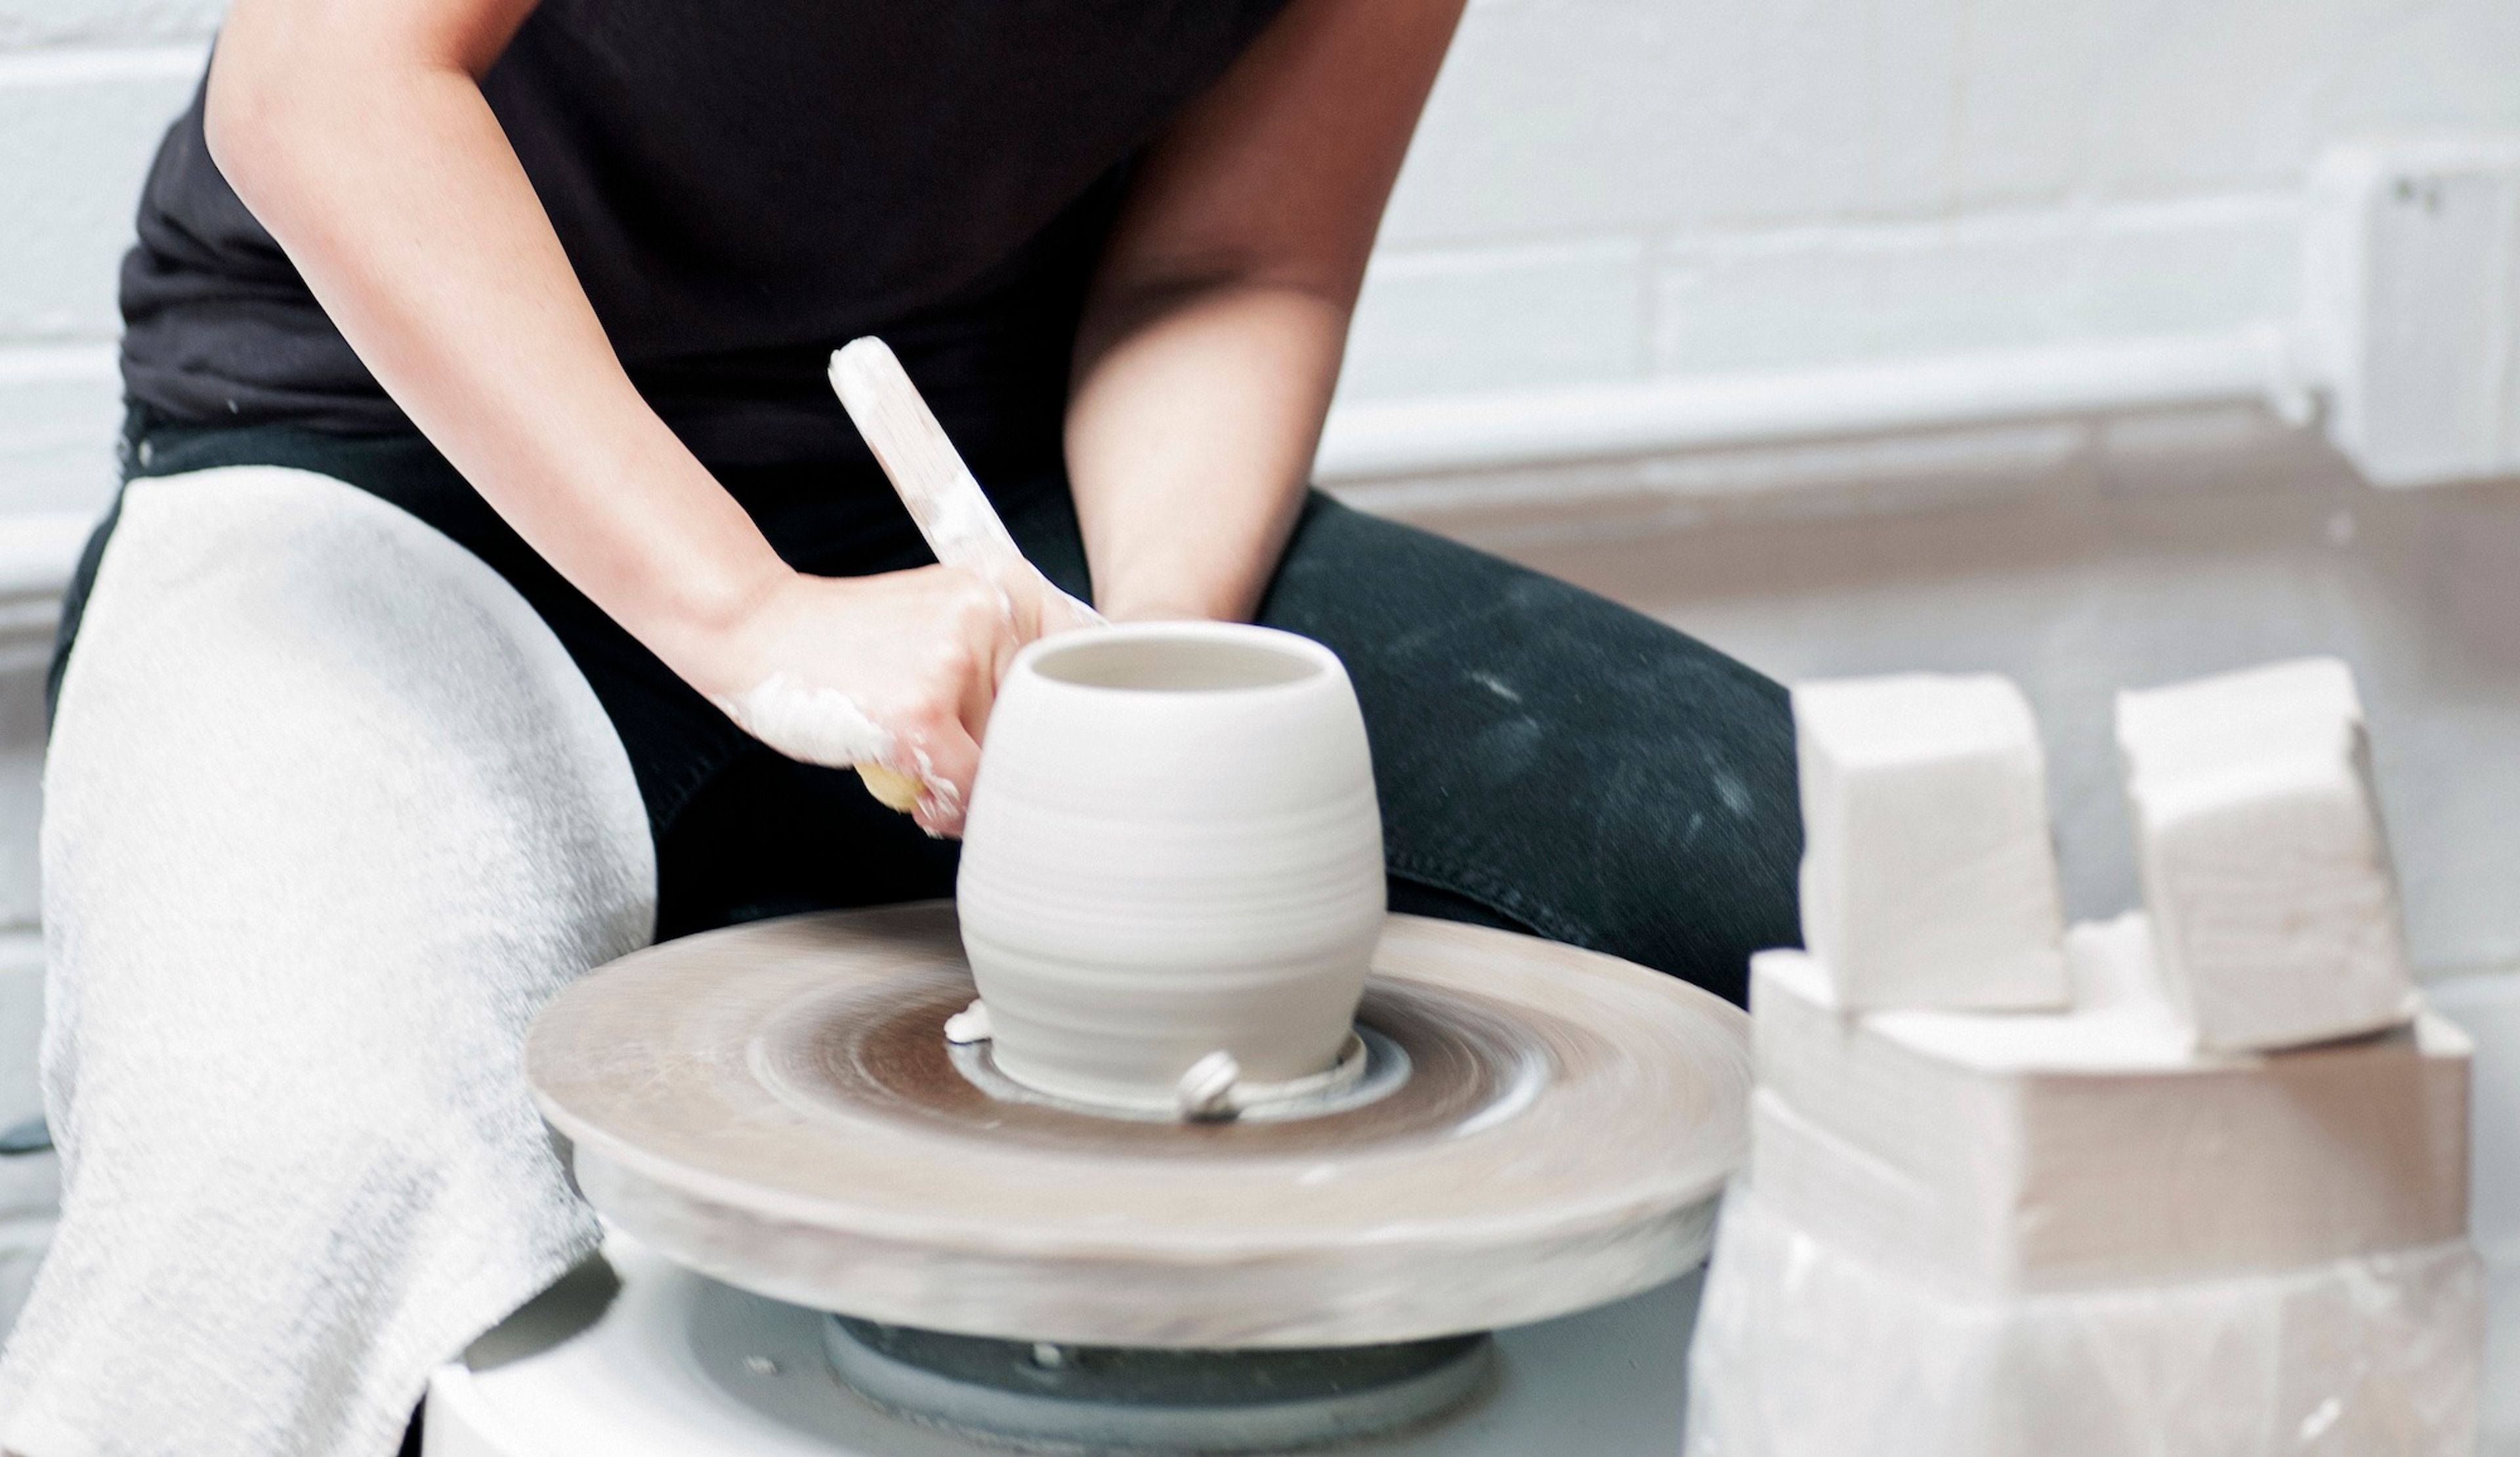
x,y
897,671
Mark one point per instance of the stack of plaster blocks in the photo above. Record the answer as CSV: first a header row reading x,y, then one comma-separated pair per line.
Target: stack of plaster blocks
x,y
2184,1184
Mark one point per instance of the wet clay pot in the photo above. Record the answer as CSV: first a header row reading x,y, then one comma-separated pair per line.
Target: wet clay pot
x,y
1173,850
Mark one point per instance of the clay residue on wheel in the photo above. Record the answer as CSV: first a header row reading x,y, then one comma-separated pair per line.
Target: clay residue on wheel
x,y
878,1050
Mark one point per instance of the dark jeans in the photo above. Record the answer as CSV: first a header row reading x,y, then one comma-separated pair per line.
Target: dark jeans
x,y
1546,760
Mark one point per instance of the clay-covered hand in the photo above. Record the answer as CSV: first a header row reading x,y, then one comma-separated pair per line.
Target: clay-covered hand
x,y
893,674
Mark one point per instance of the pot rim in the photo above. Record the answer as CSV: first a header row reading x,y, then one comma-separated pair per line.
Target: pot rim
x,y
1324,664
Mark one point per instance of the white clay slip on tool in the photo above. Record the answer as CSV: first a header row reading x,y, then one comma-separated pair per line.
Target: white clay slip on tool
x,y
942,495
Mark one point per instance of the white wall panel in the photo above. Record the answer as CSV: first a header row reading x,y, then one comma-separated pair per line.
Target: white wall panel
x,y
1551,313
1787,299
60,405
25,24
78,128
1557,116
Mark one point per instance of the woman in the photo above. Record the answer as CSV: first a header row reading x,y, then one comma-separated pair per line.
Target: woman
x,y
546,291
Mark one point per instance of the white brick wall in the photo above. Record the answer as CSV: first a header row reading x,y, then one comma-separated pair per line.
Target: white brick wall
x,y
1816,181
1789,298
86,90
1605,190
26,24
73,122
1568,312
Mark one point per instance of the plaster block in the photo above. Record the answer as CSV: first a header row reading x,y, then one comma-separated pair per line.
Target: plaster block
x,y
1804,1348
2263,864
2114,973
1994,1152
2487,1009
1927,876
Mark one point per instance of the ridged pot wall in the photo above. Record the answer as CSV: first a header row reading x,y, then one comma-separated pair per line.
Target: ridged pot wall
x,y
1172,850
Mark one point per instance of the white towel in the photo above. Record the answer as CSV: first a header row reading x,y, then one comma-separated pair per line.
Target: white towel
x,y
330,814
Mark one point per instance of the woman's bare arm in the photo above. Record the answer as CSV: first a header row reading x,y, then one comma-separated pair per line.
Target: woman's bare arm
x,y
1212,336
358,135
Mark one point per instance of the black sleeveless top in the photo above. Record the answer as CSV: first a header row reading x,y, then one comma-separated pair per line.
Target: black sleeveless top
x,y
742,189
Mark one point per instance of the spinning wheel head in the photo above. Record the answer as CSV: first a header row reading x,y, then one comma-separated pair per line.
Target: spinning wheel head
x,y
1536,1130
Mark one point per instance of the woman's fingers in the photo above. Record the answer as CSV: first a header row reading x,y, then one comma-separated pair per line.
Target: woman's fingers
x,y
975,628
891,789
1060,612
1033,607
985,623
943,759
896,675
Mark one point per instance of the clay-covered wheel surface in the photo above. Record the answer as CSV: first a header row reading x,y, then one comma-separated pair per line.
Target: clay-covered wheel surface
x,y
775,1105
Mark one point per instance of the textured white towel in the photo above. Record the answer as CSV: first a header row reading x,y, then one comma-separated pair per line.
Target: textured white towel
x,y
329,815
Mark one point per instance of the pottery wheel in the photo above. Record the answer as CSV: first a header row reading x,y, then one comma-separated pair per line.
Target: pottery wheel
x,y
775,1106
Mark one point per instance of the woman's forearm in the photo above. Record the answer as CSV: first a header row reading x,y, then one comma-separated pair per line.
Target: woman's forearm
x,y
365,145
1212,335
1190,440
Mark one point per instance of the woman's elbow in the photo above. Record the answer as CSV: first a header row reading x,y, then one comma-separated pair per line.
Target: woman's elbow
x,y
249,120
275,101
